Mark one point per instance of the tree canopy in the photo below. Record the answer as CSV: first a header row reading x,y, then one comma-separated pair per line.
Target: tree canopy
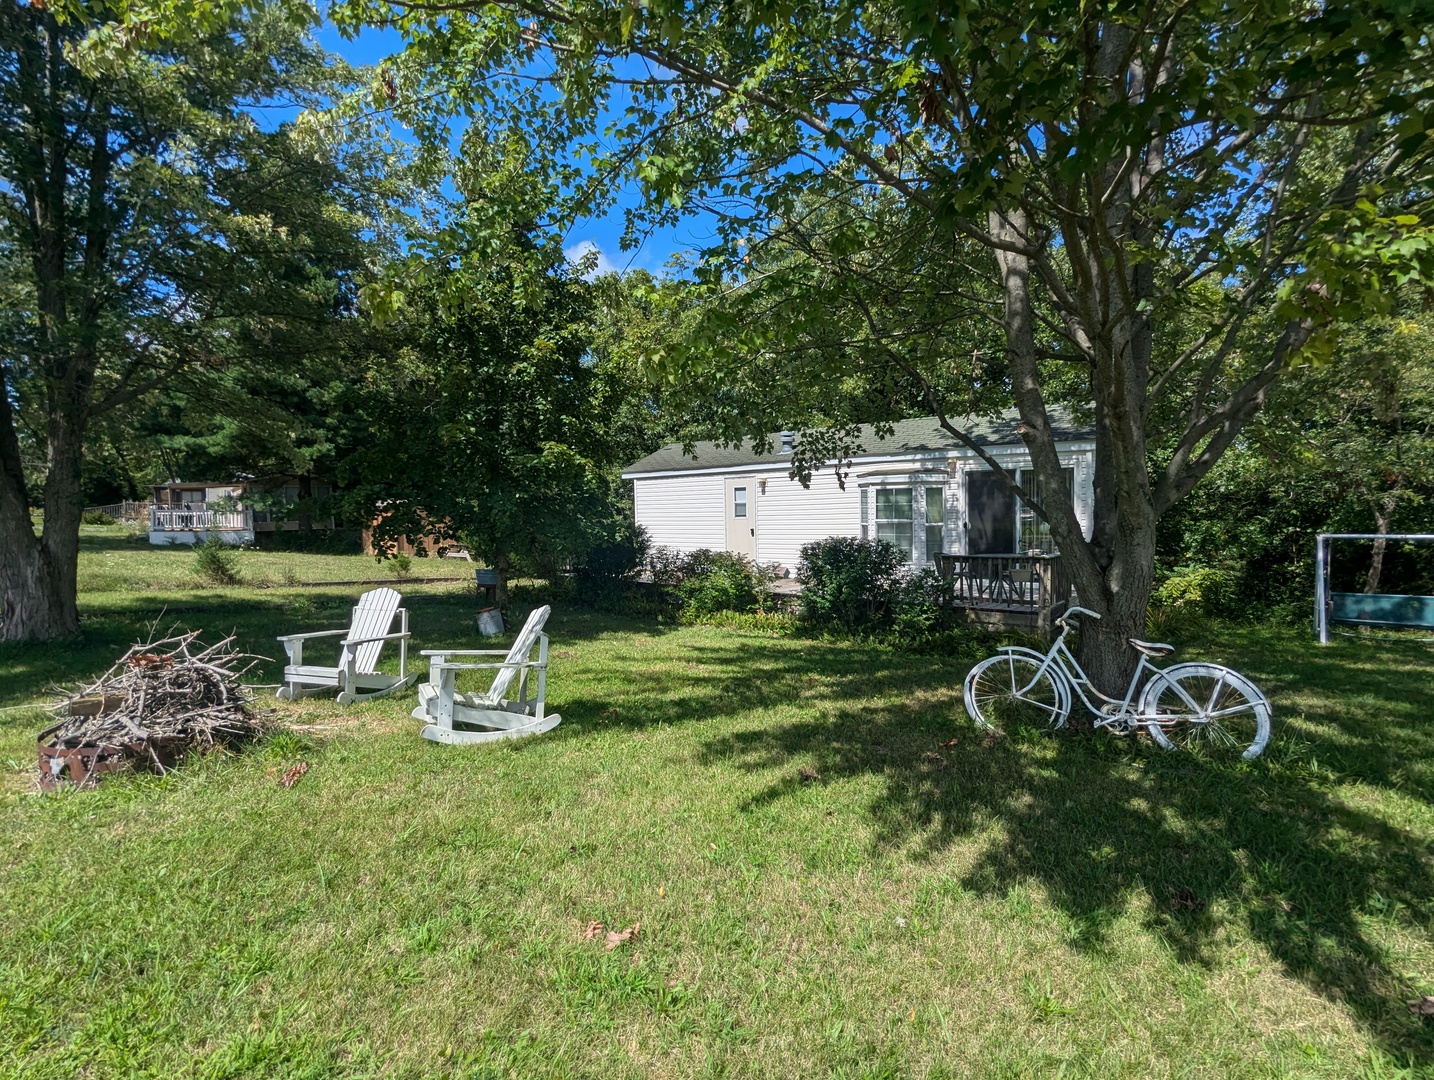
x,y
1176,200
149,223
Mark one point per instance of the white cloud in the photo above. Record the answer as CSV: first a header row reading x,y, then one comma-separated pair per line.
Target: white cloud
x,y
577,252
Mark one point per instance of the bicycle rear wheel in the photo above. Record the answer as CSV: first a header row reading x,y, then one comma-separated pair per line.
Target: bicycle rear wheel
x,y
1207,709
1010,691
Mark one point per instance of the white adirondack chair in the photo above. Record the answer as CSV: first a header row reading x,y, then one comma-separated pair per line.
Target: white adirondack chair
x,y
356,676
488,716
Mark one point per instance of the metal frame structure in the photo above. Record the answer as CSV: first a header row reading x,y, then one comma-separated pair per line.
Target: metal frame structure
x,y
1322,549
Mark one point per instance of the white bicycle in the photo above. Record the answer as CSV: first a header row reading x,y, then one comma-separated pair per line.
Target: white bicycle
x,y
1202,707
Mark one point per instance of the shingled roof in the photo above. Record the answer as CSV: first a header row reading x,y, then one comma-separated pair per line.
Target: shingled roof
x,y
919,436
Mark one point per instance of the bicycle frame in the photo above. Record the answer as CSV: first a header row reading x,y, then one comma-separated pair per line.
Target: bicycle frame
x,y
1063,660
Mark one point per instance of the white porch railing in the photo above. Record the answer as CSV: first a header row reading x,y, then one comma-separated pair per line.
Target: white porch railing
x,y
196,517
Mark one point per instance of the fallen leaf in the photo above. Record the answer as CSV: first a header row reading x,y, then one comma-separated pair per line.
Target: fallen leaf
x,y
1422,1006
932,755
594,928
292,774
949,743
661,891
806,774
617,937
1186,900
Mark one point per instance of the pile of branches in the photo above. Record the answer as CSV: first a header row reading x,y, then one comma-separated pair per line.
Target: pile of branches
x,y
162,700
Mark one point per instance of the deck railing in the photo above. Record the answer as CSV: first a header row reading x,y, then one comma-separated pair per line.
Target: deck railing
x,y
1011,584
197,517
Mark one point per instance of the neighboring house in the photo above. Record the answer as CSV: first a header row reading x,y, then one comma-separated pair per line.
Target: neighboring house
x,y
919,488
186,513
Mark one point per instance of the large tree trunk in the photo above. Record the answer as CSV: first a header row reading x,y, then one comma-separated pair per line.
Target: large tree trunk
x,y
1114,571
500,564
37,573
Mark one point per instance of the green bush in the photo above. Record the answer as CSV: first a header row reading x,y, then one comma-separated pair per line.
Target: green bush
x,y
915,609
606,573
401,564
713,581
849,584
217,562
96,517
1203,590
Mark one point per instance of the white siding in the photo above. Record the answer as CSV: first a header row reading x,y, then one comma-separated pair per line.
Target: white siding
x,y
682,512
688,512
789,515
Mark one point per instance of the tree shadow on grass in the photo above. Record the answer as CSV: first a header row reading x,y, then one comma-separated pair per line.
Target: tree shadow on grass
x,y
1099,823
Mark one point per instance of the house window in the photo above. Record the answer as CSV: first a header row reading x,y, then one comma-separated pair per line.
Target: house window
x,y
1035,534
893,518
935,522
739,502
865,526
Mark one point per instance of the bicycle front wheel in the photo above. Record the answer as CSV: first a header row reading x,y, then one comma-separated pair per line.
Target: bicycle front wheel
x,y
1207,709
1011,691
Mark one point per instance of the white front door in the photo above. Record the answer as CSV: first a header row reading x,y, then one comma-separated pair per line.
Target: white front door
x,y
742,517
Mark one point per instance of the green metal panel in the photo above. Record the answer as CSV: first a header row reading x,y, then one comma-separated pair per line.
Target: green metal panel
x,y
1383,609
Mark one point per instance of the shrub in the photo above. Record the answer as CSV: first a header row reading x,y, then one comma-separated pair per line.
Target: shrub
x,y
713,581
664,566
1203,590
915,608
96,517
610,567
401,564
849,584
217,562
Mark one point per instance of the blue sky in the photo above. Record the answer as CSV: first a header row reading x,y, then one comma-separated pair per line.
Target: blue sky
x,y
604,233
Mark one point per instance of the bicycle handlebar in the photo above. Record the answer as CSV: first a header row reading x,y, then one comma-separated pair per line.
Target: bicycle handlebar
x,y
1061,622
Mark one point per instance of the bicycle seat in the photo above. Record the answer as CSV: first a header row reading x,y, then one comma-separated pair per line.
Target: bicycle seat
x,y
1151,648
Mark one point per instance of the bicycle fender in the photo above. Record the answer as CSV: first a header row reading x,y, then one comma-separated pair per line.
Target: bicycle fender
x,y
1021,650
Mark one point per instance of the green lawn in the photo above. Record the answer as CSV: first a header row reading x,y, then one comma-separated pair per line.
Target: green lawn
x,y
933,903
114,558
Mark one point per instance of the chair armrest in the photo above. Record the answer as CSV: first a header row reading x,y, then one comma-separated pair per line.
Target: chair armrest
x,y
475,667
463,652
313,634
363,640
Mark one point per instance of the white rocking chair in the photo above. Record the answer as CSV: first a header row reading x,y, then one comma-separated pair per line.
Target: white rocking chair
x,y
488,717
356,676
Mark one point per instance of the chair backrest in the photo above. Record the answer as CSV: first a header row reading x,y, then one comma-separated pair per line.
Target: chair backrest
x,y
372,617
519,652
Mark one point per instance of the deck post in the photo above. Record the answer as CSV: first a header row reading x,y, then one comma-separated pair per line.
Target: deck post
x,y
1045,594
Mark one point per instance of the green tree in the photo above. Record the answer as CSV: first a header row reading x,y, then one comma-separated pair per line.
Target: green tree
x,y
1178,199
487,422
148,223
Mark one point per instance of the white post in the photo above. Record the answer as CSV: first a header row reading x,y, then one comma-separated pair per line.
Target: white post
x,y
1322,588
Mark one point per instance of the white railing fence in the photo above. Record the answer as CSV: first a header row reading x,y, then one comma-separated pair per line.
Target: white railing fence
x,y
197,517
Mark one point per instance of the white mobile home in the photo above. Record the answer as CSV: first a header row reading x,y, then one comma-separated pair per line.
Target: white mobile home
x,y
919,488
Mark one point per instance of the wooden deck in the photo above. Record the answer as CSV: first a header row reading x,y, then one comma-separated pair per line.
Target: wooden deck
x,y
1007,591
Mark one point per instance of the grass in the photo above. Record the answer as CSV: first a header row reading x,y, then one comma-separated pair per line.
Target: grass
x,y
833,872
114,558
